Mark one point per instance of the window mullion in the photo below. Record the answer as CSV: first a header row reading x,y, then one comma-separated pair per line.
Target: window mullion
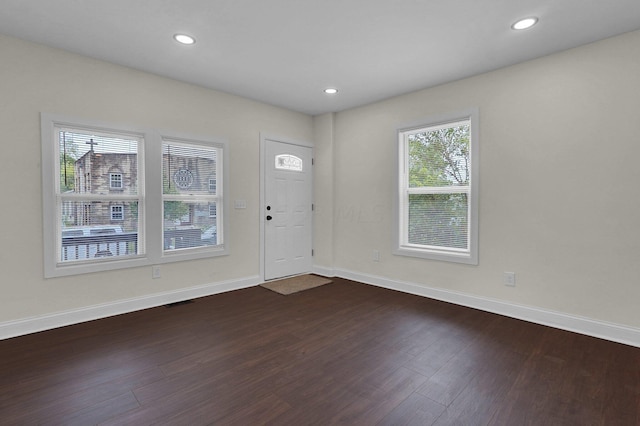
x,y
440,190
99,197
191,198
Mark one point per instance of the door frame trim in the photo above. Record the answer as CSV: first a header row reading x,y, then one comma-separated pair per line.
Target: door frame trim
x,y
264,137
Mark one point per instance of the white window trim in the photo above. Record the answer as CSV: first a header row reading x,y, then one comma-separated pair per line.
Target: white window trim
x,y
150,211
400,247
120,181
121,212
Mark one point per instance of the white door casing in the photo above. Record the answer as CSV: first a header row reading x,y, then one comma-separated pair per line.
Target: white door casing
x,y
287,209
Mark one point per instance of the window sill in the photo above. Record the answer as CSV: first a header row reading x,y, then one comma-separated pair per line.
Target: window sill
x,y
62,269
440,255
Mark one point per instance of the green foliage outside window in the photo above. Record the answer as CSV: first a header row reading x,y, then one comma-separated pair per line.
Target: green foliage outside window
x,y
439,158
68,156
173,210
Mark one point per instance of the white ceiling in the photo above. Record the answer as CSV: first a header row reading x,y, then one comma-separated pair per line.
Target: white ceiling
x,y
285,52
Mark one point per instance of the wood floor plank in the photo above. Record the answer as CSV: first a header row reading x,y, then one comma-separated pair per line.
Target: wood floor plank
x,y
447,383
96,413
261,412
342,353
433,358
65,403
485,392
416,410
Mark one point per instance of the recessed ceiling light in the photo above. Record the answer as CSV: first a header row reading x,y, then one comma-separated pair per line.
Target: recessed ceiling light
x,y
184,39
525,23
330,91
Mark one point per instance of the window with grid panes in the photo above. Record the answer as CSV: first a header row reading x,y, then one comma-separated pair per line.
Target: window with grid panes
x,y
115,180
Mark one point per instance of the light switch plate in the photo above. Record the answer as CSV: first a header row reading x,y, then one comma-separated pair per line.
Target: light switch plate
x,y
509,279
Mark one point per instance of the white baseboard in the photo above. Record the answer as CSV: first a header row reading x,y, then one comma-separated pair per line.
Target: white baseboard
x,y
324,271
603,330
60,319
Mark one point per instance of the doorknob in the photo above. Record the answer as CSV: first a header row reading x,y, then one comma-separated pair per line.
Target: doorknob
x,y
269,218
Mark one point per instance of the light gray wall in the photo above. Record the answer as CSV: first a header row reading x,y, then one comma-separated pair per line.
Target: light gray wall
x,y
324,184
559,203
37,79
558,197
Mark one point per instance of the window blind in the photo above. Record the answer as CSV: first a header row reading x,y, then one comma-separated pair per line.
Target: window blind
x,y
98,195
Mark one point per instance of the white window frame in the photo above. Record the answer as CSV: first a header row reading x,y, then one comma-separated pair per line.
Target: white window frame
x,y
119,181
150,239
119,211
401,246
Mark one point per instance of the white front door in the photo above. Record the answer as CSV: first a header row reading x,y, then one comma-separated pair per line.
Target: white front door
x,y
287,209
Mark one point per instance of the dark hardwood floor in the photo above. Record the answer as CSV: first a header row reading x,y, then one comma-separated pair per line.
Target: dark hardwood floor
x,y
343,353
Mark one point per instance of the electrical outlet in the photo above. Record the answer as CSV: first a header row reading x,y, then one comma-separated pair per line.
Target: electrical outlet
x,y
509,279
375,256
155,272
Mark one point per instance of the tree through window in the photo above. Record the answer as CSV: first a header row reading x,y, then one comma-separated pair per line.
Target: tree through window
x,y
436,188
